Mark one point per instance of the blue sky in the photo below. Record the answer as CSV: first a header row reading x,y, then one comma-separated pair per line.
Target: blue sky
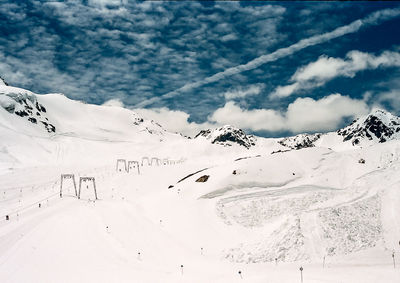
x,y
272,68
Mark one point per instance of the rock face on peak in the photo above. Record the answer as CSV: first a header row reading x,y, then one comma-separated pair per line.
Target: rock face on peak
x,y
25,104
300,141
3,82
149,126
228,135
378,126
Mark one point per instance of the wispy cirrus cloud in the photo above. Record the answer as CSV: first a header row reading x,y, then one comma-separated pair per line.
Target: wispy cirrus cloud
x,y
373,19
92,50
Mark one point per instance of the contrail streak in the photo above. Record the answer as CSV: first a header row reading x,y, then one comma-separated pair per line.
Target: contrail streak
x,y
372,19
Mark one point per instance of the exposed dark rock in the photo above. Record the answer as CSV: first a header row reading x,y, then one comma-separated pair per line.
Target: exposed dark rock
x,y
300,141
10,108
280,151
40,107
203,179
379,125
21,113
138,121
3,81
190,175
228,135
32,120
49,127
25,104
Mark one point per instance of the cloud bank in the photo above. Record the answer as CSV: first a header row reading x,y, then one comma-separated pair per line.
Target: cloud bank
x,y
303,115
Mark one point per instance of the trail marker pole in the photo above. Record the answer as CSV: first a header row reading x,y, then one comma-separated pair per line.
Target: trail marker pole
x,y
394,262
138,256
276,261
301,274
323,263
182,269
240,274
201,251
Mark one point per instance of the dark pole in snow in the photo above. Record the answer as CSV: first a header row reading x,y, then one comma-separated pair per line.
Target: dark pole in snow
x,y
394,262
301,274
240,274
182,269
323,263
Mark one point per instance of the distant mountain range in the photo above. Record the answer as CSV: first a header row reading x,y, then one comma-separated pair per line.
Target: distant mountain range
x,y
377,127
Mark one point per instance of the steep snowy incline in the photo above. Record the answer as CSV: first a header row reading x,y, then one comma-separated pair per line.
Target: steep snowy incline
x,y
52,129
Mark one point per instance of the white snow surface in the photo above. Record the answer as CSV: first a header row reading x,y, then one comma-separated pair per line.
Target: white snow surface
x,y
259,213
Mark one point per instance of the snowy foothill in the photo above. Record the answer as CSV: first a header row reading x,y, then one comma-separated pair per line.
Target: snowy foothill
x,y
155,206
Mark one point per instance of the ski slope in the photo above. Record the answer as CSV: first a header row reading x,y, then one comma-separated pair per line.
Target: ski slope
x,y
262,212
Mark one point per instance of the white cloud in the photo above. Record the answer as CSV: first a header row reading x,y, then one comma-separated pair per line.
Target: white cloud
x,y
303,115
242,92
114,102
325,114
229,37
173,121
256,120
327,68
283,91
323,68
373,19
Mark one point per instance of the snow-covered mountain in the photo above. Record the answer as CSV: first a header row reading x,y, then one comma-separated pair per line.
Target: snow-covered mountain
x,y
24,104
227,136
377,127
322,201
38,129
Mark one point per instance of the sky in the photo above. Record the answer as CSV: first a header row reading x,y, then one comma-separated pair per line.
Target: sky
x,y
271,68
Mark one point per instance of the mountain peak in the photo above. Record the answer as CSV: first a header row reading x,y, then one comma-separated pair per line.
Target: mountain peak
x,y
228,135
379,125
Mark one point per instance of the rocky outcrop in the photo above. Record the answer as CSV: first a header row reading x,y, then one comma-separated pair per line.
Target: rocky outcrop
x,y
26,105
300,141
378,126
227,136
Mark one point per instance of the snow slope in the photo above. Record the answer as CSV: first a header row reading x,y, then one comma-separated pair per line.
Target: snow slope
x,y
265,210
